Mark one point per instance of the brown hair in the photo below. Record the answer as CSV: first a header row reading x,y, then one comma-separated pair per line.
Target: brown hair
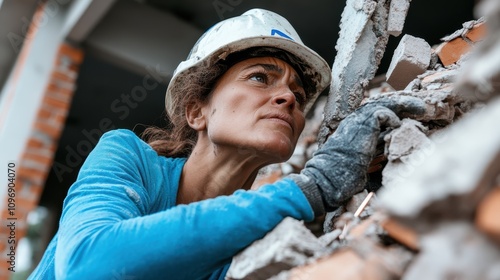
x,y
178,138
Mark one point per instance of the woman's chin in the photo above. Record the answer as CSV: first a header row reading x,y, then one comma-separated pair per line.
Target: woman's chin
x,y
279,150
271,148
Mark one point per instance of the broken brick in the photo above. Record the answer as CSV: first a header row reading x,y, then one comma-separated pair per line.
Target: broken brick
x,y
460,43
450,52
477,33
402,234
344,264
487,214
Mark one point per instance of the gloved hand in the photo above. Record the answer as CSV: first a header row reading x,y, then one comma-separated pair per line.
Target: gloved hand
x,y
338,169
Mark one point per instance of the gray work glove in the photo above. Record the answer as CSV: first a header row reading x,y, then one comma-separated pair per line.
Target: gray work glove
x,y
338,169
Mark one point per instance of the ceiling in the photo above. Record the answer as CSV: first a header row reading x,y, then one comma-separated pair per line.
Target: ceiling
x,y
102,82
317,21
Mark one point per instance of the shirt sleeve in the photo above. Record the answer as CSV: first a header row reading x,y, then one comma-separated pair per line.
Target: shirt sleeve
x,y
109,230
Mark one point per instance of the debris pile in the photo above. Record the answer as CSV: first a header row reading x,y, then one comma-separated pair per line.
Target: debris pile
x,y
435,216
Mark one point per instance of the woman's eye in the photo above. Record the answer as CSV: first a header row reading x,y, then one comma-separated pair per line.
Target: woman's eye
x,y
259,77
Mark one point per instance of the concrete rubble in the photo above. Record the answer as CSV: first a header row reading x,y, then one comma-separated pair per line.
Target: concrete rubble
x,y
397,16
290,244
411,58
361,45
435,215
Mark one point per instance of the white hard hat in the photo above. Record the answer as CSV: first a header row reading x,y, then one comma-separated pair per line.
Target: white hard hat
x,y
255,28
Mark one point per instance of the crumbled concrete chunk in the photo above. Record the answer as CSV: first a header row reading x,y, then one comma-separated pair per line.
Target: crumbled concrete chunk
x,y
397,16
468,27
329,238
449,175
439,77
404,140
453,251
405,148
411,58
290,244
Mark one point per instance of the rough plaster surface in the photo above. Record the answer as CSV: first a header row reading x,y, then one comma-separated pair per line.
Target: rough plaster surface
x,y
362,41
450,173
290,244
411,58
397,16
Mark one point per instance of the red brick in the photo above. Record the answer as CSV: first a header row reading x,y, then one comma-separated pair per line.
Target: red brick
x,y
31,174
55,102
35,143
25,205
450,52
58,90
62,76
477,33
40,157
75,54
402,234
54,131
487,214
61,94
43,113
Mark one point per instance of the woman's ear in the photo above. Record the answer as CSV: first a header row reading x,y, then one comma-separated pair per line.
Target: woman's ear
x,y
195,117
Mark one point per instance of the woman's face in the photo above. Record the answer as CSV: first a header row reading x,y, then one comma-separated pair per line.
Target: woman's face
x,y
257,108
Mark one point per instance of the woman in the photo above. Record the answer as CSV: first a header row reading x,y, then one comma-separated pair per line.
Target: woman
x,y
179,207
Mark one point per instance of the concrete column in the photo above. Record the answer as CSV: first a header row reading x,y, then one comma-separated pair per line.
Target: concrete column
x,y
33,108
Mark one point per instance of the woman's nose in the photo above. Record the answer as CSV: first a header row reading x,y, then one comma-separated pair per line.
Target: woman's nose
x,y
285,97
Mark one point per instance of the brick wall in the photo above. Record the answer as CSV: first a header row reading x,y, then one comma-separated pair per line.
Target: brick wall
x,y
36,160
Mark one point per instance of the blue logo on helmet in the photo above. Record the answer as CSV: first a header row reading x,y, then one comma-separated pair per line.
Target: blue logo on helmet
x,y
280,33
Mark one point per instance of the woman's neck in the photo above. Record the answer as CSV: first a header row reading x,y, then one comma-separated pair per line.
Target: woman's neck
x,y
211,171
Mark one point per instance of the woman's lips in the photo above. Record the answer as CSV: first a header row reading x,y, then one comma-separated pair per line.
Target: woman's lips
x,y
281,118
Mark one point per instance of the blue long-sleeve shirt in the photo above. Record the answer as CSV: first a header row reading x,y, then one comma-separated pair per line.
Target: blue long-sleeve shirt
x,y
120,219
